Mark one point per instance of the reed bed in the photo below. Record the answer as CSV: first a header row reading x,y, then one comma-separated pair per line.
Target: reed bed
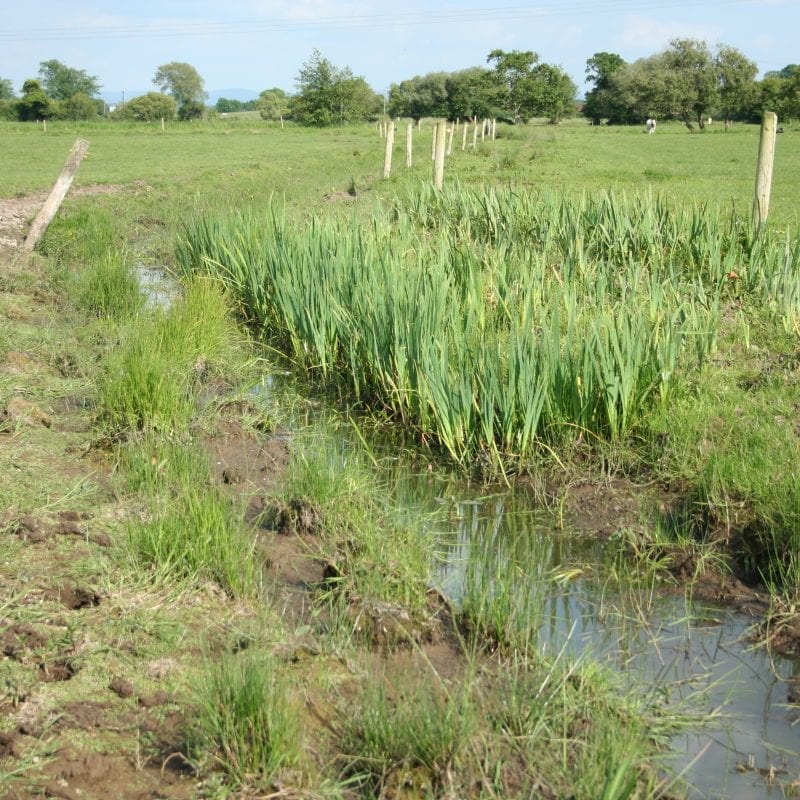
x,y
497,324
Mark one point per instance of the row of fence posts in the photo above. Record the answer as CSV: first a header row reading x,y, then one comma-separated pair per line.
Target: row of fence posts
x,y
441,143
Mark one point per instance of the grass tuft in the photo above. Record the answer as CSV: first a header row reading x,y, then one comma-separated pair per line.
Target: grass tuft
x,y
247,725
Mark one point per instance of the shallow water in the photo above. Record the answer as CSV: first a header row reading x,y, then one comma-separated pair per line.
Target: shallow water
x,y
655,636
157,286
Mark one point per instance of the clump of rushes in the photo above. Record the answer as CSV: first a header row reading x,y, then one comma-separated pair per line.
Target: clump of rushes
x,y
247,725
414,731
151,381
198,536
505,592
109,288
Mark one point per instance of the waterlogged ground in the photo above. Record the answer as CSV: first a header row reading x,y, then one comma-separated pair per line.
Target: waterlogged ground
x,y
691,652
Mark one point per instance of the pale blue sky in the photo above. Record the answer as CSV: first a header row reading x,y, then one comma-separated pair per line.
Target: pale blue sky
x,y
256,44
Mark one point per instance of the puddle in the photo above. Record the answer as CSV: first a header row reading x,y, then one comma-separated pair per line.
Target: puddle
x,y
663,643
158,288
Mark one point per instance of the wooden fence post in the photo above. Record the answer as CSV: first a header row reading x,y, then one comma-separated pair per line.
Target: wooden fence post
x,y
494,128
766,158
409,144
438,162
475,134
464,137
57,194
387,158
450,140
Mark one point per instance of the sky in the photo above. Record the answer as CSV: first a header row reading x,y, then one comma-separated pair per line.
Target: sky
x,y
260,44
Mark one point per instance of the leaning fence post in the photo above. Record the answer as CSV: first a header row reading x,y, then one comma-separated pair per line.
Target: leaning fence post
x,y
766,158
57,194
438,162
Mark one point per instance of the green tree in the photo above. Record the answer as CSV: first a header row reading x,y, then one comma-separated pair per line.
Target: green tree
x,y
514,73
6,89
273,104
420,96
603,101
328,94
552,93
34,103
736,77
149,107
194,109
790,96
691,81
227,105
472,92
182,81
79,107
61,82
786,72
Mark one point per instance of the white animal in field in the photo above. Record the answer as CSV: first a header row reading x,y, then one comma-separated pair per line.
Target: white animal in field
x,y
651,125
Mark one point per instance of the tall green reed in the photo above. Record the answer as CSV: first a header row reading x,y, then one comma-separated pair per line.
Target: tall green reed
x,y
495,323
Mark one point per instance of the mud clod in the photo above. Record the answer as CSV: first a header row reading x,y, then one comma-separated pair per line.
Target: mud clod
x,y
9,745
19,411
298,516
121,687
57,671
159,698
18,638
232,476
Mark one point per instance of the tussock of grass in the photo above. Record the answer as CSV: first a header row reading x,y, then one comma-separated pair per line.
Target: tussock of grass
x,y
152,380
382,555
394,731
155,464
198,537
109,288
247,724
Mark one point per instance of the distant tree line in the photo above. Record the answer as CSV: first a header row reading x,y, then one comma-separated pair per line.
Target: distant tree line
x,y
690,83
516,87
686,82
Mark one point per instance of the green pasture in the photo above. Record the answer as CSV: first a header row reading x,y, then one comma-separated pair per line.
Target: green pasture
x,y
247,160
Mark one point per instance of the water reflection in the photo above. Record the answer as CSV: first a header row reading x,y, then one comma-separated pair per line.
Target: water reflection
x,y
661,640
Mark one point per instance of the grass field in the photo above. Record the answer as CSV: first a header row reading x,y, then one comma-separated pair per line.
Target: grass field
x,y
249,161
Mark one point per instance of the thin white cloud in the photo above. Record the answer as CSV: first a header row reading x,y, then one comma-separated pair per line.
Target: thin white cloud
x,y
647,34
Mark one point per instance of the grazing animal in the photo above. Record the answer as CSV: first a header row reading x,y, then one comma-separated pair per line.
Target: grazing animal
x,y
651,125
